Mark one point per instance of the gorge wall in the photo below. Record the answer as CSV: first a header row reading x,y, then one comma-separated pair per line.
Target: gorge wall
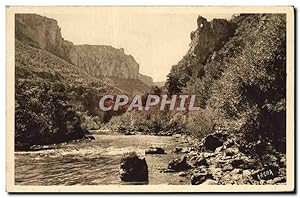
x,y
206,40
101,60
97,60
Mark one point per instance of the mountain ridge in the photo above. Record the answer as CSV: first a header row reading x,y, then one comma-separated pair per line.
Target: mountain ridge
x,y
97,60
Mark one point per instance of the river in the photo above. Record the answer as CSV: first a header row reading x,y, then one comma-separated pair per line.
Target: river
x,y
96,162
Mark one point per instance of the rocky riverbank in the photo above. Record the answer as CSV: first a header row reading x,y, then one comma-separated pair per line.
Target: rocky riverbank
x,y
221,158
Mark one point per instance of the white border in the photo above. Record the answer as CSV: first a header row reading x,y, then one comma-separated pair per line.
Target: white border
x,y
106,2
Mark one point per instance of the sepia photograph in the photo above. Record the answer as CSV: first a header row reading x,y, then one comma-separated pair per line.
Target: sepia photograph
x,y
150,99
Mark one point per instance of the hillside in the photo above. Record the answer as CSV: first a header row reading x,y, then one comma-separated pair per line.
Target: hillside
x,y
241,80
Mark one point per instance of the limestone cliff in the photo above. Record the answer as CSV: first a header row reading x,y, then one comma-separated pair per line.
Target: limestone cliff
x,y
97,60
40,32
209,37
101,60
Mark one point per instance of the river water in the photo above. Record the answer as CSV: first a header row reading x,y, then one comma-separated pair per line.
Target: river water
x,y
96,162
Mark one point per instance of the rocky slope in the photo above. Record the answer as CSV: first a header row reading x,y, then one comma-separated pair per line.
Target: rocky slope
x,y
239,79
97,60
55,100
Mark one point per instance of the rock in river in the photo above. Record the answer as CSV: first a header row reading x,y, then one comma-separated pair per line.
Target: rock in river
x,y
129,133
155,150
133,168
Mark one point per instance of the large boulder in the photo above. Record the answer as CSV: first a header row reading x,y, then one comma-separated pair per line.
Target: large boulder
x,y
133,168
179,164
211,142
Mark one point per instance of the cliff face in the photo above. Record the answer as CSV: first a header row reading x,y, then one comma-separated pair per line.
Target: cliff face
x,y
97,60
40,32
102,60
208,37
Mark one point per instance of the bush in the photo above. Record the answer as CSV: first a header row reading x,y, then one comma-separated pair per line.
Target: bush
x,y
200,124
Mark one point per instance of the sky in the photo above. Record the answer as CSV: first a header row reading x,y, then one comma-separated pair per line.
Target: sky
x,y
157,37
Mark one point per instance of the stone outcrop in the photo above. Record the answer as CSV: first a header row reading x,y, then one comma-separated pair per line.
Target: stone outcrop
x,y
211,142
209,37
206,41
97,60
